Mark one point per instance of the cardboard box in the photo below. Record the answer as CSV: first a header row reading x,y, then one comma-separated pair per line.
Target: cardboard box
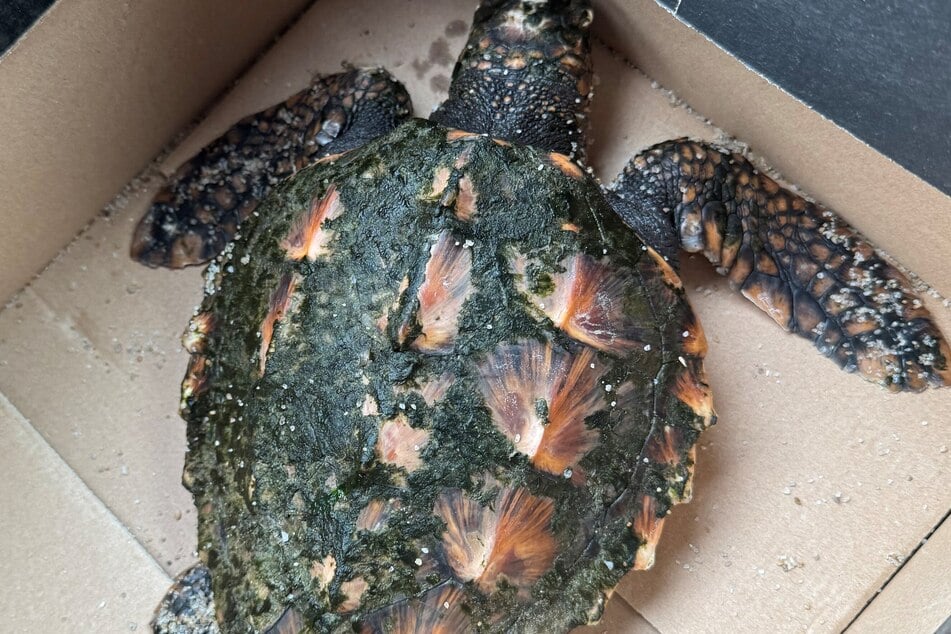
x,y
812,492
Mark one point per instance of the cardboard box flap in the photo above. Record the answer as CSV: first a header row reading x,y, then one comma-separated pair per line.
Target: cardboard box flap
x,y
91,95
71,566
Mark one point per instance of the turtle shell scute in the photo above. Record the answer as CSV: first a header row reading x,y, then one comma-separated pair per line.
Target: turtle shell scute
x,y
448,389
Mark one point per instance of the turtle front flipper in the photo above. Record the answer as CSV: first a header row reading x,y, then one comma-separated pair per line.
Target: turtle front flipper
x,y
803,265
198,211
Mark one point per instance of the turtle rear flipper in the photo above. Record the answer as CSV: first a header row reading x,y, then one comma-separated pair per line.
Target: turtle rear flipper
x,y
188,607
803,265
197,213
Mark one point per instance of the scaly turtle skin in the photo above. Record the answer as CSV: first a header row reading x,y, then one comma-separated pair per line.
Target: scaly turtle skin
x,y
439,384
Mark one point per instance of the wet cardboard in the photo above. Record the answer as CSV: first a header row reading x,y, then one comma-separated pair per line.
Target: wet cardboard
x,y
811,492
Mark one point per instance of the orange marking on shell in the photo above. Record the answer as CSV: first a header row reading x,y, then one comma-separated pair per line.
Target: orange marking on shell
x,y
307,237
463,158
570,226
501,142
436,611
399,444
692,390
588,304
566,165
457,135
695,343
778,241
524,546
384,320
466,200
374,515
647,528
290,622
446,286
323,571
195,337
665,448
278,305
196,378
469,535
670,276
519,382
440,181
370,406
330,158
404,284
352,591
435,389
483,545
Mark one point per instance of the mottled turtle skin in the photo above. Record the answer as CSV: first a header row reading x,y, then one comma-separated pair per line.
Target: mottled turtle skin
x,y
443,380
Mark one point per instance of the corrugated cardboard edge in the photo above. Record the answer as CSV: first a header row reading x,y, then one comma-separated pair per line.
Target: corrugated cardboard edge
x,y
85,110
918,597
902,214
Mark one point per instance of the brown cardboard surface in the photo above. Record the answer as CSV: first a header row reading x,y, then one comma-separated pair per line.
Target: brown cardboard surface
x,y
810,490
918,599
93,91
902,214
68,564
89,353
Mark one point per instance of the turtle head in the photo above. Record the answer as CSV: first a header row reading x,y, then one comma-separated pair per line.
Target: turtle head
x,y
525,74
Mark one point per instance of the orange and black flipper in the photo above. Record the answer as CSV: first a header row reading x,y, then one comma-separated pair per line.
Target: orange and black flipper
x,y
195,215
800,263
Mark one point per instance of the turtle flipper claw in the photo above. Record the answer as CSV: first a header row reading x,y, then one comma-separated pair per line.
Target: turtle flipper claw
x,y
197,213
803,265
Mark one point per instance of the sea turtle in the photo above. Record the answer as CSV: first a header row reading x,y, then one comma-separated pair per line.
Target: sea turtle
x,y
442,379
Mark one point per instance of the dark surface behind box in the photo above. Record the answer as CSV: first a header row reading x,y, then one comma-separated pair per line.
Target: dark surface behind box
x,y
879,68
16,16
